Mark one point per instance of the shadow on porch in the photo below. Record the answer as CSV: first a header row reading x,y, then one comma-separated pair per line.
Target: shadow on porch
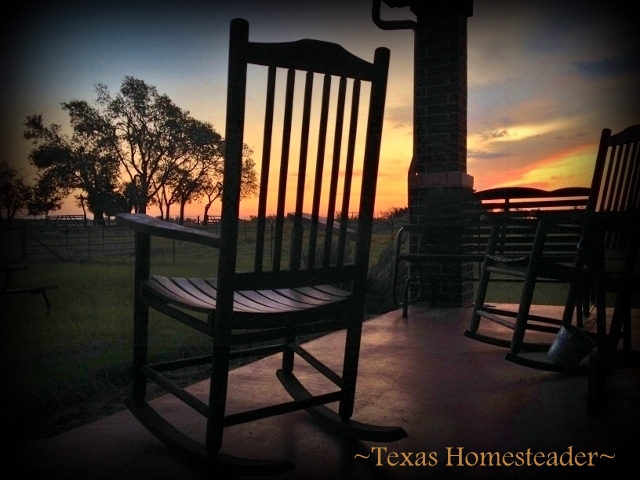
x,y
451,394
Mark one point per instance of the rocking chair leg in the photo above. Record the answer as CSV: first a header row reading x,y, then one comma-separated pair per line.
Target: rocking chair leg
x,y
579,310
350,371
480,296
620,324
528,288
288,355
405,295
523,314
140,349
140,317
394,283
483,285
218,395
574,303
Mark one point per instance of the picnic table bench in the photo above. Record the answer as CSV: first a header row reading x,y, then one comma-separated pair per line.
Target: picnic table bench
x,y
8,270
67,219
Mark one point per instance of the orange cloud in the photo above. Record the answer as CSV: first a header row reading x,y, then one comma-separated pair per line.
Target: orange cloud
x,y
571,167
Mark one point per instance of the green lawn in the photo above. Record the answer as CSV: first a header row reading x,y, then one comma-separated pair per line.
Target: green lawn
x,y
86,340
88,334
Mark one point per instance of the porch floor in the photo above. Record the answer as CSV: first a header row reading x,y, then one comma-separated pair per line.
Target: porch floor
x,y
451,394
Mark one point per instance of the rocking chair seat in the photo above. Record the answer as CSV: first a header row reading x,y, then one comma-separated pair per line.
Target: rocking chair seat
x,y
200,295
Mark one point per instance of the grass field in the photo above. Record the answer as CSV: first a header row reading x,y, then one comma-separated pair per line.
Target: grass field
x,y
85,343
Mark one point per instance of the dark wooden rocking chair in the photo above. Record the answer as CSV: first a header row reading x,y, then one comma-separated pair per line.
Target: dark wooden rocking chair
x,y
500,219
320,288
612,191
610,253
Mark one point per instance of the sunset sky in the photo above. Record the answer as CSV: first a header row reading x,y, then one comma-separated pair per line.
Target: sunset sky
x,y
544,77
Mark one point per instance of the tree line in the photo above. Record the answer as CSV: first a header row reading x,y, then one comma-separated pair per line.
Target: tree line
x,y
124,153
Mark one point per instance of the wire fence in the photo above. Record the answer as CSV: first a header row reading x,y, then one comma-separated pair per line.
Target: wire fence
x,y
74,240
42,241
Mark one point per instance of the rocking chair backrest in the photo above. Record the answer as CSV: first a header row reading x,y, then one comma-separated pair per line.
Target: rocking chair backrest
x,y
294,177
616,180
616,189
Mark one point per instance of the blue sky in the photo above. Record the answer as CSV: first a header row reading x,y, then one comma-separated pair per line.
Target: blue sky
x,y
544,77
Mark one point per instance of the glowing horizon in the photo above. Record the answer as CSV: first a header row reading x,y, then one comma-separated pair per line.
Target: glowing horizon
x,y
543,79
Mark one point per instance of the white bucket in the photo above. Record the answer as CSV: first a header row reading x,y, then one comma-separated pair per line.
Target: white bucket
x,y
571,345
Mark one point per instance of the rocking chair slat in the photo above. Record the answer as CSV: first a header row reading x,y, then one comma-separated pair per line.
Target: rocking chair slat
x,y
266,161
318,177
335,171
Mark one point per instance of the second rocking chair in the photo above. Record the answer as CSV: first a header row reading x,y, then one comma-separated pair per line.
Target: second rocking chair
x,y
614,191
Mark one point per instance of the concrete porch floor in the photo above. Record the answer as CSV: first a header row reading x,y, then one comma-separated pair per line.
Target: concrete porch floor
x,y
451,394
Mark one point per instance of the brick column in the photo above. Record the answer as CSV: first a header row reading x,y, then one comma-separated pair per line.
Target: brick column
x,y
438,179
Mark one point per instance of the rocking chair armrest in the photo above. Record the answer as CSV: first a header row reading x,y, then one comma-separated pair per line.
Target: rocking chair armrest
x,y
142,223
407,229
412,228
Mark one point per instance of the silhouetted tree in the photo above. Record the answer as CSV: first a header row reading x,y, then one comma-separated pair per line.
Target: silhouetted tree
x,y
165,155
153,138
15,193
81,161
46,197
212,185
183,183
